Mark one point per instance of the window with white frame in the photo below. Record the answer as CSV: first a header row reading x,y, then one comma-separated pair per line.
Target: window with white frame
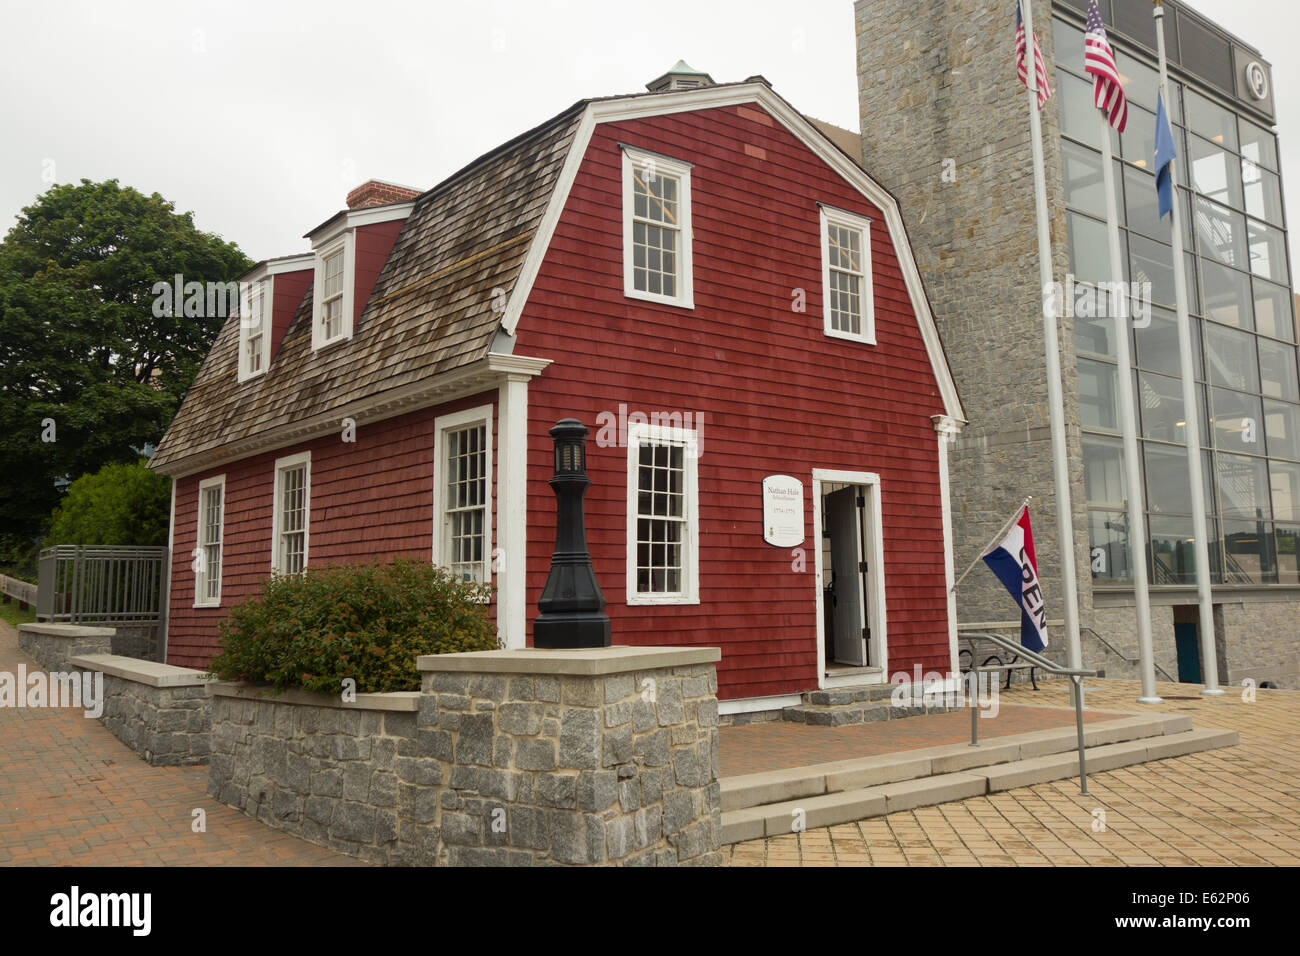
x,y
846,276
662,515
254,334
657,228
462,535
292,515
332,311
207,552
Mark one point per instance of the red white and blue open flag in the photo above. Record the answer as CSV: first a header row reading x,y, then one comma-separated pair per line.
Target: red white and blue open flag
x,y
1040,68
1013,561
1099,62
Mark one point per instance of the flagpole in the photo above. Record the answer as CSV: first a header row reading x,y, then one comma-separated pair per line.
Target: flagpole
x,y
1191,408
1137,534
996,537
1056,411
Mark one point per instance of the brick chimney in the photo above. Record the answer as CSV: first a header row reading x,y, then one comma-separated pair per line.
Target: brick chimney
x,y
379,193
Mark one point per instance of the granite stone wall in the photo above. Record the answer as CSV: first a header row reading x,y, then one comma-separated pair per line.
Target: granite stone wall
x,y
506,767
53,645
161,712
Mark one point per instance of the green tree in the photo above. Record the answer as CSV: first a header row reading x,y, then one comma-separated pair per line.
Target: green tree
x,y
81,347
119,504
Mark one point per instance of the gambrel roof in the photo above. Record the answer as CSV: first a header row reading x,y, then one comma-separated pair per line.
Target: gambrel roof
x,y
434,326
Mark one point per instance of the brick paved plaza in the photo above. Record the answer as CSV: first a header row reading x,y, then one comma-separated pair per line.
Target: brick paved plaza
x,y
1235,806
71,793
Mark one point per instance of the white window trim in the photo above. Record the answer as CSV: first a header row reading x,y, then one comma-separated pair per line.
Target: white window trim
x,y
830,215
201,578
291,461
633,158
480,415
346,242
641,433
266,289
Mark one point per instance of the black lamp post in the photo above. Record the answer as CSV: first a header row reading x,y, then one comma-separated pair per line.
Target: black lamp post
x,y
573,609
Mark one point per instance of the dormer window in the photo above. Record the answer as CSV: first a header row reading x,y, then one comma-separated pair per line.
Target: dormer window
x,y
333,308
657,228
254,334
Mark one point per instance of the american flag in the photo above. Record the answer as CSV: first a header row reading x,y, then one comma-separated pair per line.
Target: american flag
x,y
1040,68
1099,60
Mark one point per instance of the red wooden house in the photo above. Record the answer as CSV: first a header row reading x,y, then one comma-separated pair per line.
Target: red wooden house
x,y
701,276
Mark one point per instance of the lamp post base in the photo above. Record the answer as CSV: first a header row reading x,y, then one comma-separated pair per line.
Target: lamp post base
x,y
571,630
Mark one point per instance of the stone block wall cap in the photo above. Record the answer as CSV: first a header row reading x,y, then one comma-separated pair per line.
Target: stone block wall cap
x,y
578,662
142,672
67,630
401,700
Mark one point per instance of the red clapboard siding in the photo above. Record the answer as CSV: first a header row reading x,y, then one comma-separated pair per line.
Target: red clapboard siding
x,y
777,395
288,290
370,500
374,243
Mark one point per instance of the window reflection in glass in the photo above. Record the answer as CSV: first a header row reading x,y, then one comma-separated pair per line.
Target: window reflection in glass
x,y
1210,120
1273,310
1282,429
1103,472
1242,486
1227,295
1098,395
1109,554
1215,172
1230,356
1238,422
1267,252
1277,371
1221,233
1284,480
1248,552
1157,344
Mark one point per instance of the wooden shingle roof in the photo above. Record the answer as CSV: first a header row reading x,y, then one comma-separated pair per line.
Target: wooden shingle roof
x,y
431,310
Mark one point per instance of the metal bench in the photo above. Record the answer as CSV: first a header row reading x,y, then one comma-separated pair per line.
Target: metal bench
x,y
978,643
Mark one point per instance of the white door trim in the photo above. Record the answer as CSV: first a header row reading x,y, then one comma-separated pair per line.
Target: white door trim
x,y
876,615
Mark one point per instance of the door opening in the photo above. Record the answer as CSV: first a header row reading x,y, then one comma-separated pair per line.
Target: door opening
x,y
845,575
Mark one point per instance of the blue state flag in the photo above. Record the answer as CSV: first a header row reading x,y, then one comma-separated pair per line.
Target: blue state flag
x,y
1165,154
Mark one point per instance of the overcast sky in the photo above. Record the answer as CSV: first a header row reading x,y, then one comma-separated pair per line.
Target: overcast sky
x,y
260,116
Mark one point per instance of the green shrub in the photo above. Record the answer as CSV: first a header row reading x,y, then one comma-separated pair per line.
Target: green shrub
x,y
364,621
117,505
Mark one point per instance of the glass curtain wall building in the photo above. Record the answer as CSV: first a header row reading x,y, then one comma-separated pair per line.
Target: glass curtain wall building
x,y
1243,325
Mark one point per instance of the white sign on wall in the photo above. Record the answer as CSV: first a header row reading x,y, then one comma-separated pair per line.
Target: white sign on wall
x,y
783,511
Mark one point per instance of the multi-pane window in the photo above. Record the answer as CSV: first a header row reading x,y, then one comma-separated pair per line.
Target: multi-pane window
x,y
292,514
1241,322
462,530
657,228
331,314
207,553
662,516
252,330
846,275
465,504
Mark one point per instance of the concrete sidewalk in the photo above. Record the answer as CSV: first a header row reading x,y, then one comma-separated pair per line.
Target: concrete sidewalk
x,y
72,793
1235,806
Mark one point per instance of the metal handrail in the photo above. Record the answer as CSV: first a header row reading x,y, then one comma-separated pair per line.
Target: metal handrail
x,y
1120,654
1075,674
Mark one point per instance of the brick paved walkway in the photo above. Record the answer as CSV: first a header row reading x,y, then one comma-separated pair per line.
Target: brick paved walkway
x,y
1235,806
72,793
776,744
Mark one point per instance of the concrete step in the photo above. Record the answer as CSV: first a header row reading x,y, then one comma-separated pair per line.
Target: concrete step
x,y
785,805
749,790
